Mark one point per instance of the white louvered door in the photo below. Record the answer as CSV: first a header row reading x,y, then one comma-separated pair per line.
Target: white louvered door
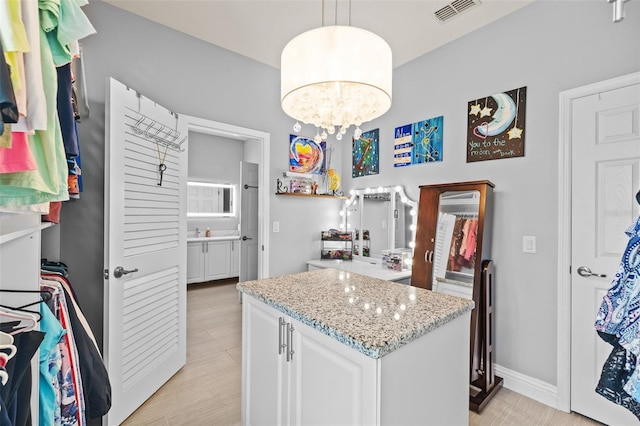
x,y
145,310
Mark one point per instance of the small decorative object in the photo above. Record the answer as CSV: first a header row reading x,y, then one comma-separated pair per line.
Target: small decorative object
x,y
365,156
334,181
280,188
496,127
314,188
418,143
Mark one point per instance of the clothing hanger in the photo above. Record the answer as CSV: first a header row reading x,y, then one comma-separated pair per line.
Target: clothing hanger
x,y
46,296
23,317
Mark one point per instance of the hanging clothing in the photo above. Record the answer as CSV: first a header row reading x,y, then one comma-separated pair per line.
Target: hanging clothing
x,y
50,366
16,394
95,378
617,323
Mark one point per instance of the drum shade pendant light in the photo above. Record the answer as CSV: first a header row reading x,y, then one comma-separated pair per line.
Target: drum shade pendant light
x,y
335,77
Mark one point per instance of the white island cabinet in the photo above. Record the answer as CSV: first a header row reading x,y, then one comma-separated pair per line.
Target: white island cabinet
x,y
336,348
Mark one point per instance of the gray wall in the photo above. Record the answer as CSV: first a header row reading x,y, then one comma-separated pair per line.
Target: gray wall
x,y
548,46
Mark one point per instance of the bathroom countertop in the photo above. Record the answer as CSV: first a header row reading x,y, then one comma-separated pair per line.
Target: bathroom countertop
x,y
371,269
371,315
214,238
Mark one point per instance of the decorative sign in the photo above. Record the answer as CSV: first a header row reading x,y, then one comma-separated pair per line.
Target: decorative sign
x,y
365,157
305,155
495,126
418,143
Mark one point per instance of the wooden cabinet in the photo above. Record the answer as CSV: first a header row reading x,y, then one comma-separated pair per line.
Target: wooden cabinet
x,y
434,258
211,260
453,255
293,374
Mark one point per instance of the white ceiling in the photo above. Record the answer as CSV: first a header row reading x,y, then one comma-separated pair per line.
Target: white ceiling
x,y
259,29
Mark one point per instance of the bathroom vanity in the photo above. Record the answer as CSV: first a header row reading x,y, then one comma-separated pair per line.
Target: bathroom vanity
x,y
212,258
340,348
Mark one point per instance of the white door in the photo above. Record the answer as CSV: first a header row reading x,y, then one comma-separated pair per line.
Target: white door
x,y
605,178
145,235
249,211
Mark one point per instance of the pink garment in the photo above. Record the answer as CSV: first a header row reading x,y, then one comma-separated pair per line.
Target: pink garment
x,y
471,240
18,158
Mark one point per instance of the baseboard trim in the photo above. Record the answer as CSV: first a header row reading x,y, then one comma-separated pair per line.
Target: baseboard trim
x,y
528,386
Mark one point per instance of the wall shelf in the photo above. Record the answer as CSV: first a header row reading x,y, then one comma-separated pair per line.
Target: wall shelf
x,y
300,194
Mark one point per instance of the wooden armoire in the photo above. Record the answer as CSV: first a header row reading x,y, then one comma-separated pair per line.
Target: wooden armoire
x,y
453,255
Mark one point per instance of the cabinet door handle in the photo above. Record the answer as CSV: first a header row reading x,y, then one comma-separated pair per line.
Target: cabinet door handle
x,y
428,256
290,350
281,345
203,247
431,256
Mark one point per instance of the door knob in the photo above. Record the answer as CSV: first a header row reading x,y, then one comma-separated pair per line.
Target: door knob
x,y
120,271
584,271
245,238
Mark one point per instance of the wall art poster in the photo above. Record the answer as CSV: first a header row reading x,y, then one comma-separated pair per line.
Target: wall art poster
x,y
365,157
418,143
305,155
496,126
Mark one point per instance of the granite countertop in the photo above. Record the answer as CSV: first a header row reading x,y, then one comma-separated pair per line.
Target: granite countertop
x,y
372,316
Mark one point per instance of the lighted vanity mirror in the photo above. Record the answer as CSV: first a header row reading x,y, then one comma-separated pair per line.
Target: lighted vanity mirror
x,y
211,199
455,246
386,216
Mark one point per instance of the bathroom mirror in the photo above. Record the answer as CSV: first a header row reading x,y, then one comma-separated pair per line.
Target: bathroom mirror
x,y
211,199
387,216
455,246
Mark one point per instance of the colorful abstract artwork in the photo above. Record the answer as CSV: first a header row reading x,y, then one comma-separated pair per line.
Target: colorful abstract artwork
x,y
495,126
365,157
418,143
305,155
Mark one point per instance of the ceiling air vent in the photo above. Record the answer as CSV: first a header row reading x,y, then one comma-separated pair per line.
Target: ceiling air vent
x,y
454,9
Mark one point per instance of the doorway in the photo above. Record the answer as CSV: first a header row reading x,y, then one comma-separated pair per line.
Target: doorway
x,y
256,145
619,129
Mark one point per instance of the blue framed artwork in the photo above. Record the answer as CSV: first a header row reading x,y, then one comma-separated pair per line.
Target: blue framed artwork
x,y
365,158
418,143
305,155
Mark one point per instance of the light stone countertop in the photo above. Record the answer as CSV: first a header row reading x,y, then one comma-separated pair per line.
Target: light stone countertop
x,y
372,316
214,238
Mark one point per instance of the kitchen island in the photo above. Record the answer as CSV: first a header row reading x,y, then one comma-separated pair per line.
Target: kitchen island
x,y
339,348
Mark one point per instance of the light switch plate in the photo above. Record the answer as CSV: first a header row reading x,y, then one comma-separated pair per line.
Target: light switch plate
x,y
276,226
528,244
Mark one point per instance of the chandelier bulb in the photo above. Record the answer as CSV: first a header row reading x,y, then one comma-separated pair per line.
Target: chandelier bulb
x,y
357,133
343,130
323,135
339,136
331,130
297,127
317,138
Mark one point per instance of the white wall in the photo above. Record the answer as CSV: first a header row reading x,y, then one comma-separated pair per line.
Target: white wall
x,y
548,46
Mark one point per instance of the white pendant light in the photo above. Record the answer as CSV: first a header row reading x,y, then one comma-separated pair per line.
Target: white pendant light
x,y
336,76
